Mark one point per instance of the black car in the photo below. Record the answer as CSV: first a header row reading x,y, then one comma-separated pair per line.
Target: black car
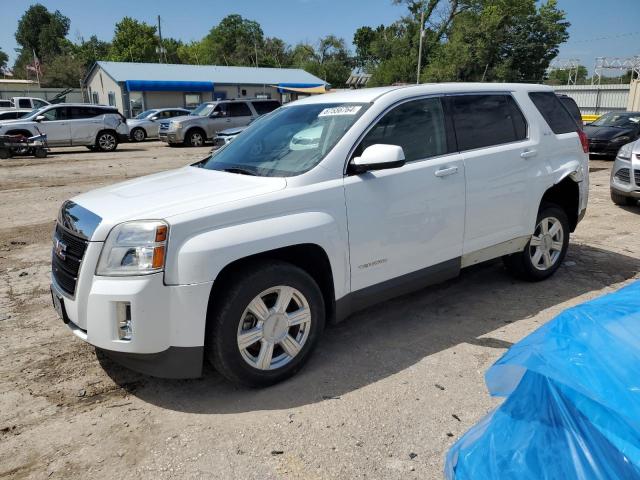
x,y
611,131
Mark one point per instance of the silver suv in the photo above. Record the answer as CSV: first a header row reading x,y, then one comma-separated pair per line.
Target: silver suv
x,y
208,119
95,126
146,124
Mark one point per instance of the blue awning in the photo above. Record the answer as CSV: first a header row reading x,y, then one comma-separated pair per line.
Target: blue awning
x,y
167,86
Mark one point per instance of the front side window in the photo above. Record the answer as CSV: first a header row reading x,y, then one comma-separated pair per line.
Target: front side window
x,y
239,109
417,126
145,114
55,114
287,142
487,120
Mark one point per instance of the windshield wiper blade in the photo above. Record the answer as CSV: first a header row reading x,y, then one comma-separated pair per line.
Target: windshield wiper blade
x,y
241,171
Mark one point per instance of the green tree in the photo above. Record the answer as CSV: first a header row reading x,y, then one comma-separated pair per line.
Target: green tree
x,y
193,53
329,59
4,58
172,47
90,51
561,77
134,41
234,41
64,71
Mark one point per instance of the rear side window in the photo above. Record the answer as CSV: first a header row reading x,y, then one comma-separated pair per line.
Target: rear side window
x,y
239,109
486,120
555,114
571,105
265,107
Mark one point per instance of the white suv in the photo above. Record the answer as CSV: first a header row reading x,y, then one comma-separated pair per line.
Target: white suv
x,y
68,124
321,208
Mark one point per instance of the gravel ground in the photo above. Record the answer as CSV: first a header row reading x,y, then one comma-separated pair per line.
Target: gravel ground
x,y
386,394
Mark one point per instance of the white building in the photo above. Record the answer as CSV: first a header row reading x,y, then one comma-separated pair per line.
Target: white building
x,y
134,87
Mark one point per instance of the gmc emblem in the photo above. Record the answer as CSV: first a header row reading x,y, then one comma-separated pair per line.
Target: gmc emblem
x,y
60,249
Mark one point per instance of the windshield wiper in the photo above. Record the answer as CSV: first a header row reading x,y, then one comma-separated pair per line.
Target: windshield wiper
x,y
241,171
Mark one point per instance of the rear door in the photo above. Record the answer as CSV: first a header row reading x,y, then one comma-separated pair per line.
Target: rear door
x,y
84,124
56,126
492,136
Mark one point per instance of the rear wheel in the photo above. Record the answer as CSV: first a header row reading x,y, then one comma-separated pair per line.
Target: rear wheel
x,y
106,141
623,200
546,250
194,138
138,134
267,325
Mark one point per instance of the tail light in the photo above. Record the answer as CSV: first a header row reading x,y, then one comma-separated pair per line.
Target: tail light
x,y
584,140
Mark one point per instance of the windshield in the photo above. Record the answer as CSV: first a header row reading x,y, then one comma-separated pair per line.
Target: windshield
x,y
287,142
145,114
204,109
617,120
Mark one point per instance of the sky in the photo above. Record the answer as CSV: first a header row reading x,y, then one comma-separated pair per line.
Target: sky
x,y
598,27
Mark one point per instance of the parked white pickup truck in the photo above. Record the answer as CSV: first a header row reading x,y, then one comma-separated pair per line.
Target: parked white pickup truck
x,y
23,102
243,258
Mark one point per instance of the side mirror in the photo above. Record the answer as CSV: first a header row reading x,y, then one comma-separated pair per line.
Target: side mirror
x,y
378,157
154,118
40,118
215,114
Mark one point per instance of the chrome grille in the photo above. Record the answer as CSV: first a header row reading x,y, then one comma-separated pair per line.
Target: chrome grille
x,y
636,174
66,257
624,175
164,126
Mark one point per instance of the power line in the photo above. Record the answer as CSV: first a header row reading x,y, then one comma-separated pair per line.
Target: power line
x,y
608,37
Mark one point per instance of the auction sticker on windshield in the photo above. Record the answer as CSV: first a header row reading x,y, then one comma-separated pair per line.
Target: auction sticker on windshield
x,y
341,110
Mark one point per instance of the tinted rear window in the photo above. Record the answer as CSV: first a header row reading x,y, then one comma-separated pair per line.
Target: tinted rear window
x,y
571,105
239,110
486,120
555,114
265,107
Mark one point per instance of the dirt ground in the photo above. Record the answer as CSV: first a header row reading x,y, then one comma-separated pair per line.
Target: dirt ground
x,y
385,396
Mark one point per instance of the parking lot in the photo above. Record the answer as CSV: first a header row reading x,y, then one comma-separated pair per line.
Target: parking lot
x,y
386,395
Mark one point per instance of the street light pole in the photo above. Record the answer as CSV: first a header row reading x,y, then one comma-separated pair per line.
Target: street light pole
x,y
420,46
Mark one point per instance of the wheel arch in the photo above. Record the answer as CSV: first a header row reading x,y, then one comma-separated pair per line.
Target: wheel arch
x,y
194,128
566,194
20,131
146,134
310,257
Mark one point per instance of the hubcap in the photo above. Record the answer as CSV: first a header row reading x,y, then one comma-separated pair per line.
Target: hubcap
x,y
546,243
138,135
107,141
196,140
274,327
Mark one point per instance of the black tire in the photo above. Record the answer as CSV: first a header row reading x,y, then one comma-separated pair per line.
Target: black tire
x,y
40,153
224,320
623,200
106,141
5,153
522,265
195,138
138,134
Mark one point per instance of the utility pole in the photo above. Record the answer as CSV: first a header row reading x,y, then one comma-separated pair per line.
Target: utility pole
x,y
420,45
161,49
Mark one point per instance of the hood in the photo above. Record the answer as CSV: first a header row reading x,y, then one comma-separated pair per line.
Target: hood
x,y
232,131
136,121
606,133
184,118
166,194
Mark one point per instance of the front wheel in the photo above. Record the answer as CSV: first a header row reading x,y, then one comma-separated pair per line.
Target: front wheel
x,y
267,325
194,138
106,142
138,135
546,250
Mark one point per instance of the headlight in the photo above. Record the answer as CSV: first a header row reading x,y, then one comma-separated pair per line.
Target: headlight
x,y
625,151
134,248
175,125
621,139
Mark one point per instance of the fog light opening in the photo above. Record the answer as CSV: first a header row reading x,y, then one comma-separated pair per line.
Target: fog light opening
x,y
124,325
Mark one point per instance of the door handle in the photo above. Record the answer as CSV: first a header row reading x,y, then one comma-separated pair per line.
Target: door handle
x,y
445,172
529,153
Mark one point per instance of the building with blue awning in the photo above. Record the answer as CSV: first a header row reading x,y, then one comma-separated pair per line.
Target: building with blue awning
x,y
134,87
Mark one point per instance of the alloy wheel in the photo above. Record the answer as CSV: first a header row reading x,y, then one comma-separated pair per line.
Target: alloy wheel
x,y
274,328
546,243
107,142
196,139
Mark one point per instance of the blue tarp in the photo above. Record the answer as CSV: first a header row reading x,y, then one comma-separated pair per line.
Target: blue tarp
x,y
168,86
573,401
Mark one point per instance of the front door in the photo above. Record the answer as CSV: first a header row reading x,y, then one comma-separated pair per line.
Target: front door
x,y
407,222
56,126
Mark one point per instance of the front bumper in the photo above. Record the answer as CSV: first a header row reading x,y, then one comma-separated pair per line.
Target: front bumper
x,y
174,136
167,322
604,148
123,137
625,177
